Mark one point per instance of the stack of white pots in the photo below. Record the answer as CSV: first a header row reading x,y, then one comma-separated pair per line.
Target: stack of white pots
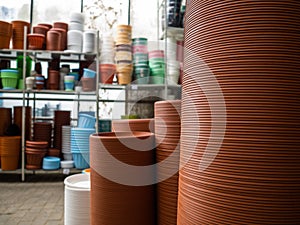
x,y
107,49
66,143
173,66
75,32
77,199
89,41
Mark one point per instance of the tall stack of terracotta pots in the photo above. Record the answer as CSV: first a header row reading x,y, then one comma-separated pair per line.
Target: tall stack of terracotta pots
x,y
61,118
42,131
167,136
240,121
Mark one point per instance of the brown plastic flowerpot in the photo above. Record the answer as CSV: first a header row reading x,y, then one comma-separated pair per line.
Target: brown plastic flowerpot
x,y
88,84
34,159
37,144
53,152
10,145
61,118
9,162
18,119
42,133
35,41
111,196
5,34
49,26
6,119
107,73
18,33
124,77
128,125
10,148
53,40
61,25
63,38
53,79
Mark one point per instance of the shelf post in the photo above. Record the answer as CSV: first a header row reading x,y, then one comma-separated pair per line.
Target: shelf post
x,y
23,106
97,83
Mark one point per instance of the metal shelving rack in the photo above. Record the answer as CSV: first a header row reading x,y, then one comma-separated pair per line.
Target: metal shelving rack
x,y
33,95
164,31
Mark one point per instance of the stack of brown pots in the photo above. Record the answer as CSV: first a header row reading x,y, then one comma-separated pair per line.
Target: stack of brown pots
x,y
88,84
62,36
6,119
61,118
35,152
18,112
18,33
122,178
42,131
53,40
53,79
63,28
5,34
167,136
240,113
39,29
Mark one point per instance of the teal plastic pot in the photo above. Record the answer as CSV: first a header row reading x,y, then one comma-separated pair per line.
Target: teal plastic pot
x,y
141,67
157,60
141,76
139,41
157,71
157,65
141,80
140,57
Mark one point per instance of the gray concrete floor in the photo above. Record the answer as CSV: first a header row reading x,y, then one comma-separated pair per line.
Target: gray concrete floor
x,y
37,201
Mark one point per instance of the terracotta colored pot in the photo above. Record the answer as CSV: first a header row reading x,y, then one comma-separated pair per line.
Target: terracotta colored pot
x,y
18,33
237,140
5,34
88,84
35,41
37,144
124,125
63,38
53,40
42,133
124,78
110,196
61,118
49,26
6,119
54,152
61,25
107,73
53,79
18,119
10,148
